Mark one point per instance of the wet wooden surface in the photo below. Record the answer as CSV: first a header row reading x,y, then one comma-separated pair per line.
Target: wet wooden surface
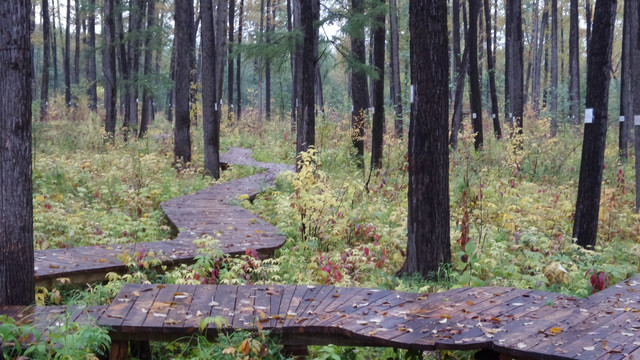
x,y
510,321
206,212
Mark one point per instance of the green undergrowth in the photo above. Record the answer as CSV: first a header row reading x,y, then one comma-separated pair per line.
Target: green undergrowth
x,y
511,216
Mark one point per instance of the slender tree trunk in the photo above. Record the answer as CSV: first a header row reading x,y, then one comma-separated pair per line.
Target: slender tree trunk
x,y
238,68
267,67
46,36
537,64
136,15
67,60
184,55
428,243
147,106
221,44
635,90
456,118
516,74
395,67
474,81
210,110
562,57
508,115
92,90
497,131
54,48
123,66
554,68
309,15
359,86
574,64
17,282
378,123
299,55
294,82
171,96
258,68
76,59
319,93
588,13
585,226
627,86
230,69
109,68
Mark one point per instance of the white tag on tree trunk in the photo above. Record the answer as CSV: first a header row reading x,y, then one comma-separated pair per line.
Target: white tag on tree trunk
x,y
474,115
622,118
220,101
137,100
493,116
373,110
351,108
636,120
296,102
588,116
412,94
215,106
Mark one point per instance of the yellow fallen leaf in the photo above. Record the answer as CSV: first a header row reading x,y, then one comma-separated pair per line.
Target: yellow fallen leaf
x,y
555,330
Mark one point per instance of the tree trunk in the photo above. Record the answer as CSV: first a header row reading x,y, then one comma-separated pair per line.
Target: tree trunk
x,y
123,65
294,82
395,67
210,110
92,91
359,86
76,59
428,243
474,81
46,55
230,69
378,123
299,55
54,47
109,68
17,281
319,93
497,131
221,44
67,60
537,64
147,106
585,226
554,68
587,14
627,86
635,90
171,96
515,72
258,68
267,67
136,15
309,14
184,54
574,64
238,68
456,118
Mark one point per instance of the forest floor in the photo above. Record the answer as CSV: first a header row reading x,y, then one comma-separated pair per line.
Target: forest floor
x,y
511,213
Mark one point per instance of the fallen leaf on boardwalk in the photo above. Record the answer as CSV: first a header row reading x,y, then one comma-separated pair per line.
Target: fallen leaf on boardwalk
x,y
362,322
213,303
172,322
161,286
522,345
371,333
626,334
54,266
588,348
115,316
179,295
336,295
290,315
495,319
136,293
103,260
443,321
126,300
470,303
230,227
258,232
199,313
422,297
445,316
555,330
158,314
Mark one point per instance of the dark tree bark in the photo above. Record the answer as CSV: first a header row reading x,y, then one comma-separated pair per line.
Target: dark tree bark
x,y
184,54
378,126
497,131
136,15
17,282
588,13
395,67
627,88
474,80
359,86
635,90
238,68
515,72
508,116
123,67
76,58
210,110
230,69
294,82
147,106
299,57
267,66
67,61
92,91
428,243
171,95
54,47
585,226
537,64
553,99
574,64
109,67
309,14
221,43
46,55
456,118
319,93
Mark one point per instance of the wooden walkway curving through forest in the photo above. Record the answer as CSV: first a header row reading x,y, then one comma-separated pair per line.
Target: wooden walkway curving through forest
x,y
509,322
204,212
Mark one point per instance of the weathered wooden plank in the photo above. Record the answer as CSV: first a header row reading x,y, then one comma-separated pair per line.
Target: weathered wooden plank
x,y
117,312
224,304
200,307
159,310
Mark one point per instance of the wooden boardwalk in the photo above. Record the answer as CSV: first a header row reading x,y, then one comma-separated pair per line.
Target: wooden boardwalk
x,y
509,321
204,212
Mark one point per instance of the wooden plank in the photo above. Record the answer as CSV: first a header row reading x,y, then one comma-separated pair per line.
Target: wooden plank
x,y
160,307
119,309
244,308
285,299
178,312
199,309
224,303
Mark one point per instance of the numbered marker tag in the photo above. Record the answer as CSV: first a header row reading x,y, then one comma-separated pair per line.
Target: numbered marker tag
x,y
351,108
588,116
221,102
493,116
636,120
474,115
215,106
373,110
412,93
621,118
137,100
